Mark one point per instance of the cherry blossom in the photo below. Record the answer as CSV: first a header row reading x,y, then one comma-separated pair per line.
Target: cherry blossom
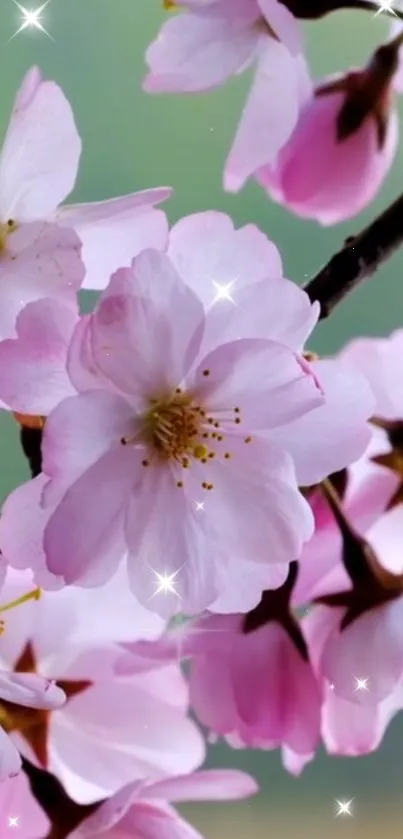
x,y
342,147
38,169
111,728
204,45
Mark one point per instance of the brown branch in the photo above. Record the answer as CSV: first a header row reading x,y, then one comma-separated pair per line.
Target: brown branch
x,y
63,813
360,257
315,9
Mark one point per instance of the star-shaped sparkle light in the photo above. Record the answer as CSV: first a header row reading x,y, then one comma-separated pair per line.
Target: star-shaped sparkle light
x,y
223,292
344,807
31,19
361,684
199,506
13,821
165,583
385,6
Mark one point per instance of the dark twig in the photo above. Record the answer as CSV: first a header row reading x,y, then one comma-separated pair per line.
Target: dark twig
x,y
360,257
31,441
63,813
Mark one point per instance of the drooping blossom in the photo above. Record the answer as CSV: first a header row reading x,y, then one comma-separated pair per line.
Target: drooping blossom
x,y
20,814
205,44
111,728
250,678
144,811
38,169
348,729
342,147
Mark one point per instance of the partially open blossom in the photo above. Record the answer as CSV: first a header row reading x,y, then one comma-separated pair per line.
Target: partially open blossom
x,y
342,147
38,168
250,678
20,814
205,44
143,809
111,727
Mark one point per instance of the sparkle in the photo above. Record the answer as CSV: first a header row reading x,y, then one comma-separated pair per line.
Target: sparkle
x,y
344,807
31,19
13,821
361,684
199,506
223,292
385,6
331,686
165,583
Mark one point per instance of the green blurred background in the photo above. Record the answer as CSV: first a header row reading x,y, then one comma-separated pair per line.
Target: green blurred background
x,y
133,141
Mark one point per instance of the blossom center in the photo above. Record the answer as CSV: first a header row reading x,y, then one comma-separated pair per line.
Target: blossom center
x,y
177,429
5,229
173,428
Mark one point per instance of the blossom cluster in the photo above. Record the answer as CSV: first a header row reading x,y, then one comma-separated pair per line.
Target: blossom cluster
x,y
203,486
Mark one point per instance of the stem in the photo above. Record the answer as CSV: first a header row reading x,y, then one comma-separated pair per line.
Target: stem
x,y
360,257
63,813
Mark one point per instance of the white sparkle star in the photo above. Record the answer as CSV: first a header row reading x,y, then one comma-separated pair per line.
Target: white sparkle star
x,y
165,583
385,6
13,821
361,684
223,292
344,807
331,686
199,505
31,19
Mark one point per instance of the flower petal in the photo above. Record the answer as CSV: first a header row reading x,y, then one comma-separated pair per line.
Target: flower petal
x,y
41,152
83,539
336,433
115,231
268,119
134,337
30,691
196,52
33,375
265,379
211,255
42,260
207,785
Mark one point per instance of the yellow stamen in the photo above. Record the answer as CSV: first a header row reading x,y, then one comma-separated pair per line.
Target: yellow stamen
x,y
169,5
5,230
32,595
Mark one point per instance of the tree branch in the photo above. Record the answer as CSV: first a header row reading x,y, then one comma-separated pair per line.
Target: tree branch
x,y
360,257
63,813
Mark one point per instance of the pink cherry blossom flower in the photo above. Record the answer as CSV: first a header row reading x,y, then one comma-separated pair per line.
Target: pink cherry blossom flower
x,y
341,149
111,728
208,405
202,47
141,810
235,685
19,810
114,399
38,169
